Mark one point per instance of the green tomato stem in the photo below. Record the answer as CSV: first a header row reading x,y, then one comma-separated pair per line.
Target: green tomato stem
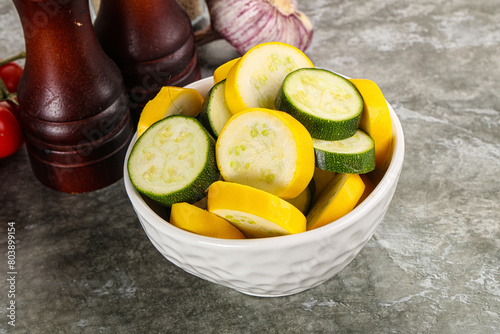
x,y
20,55
5,95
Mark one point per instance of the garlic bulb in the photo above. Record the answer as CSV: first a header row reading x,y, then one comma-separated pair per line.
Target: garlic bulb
x,y
246,23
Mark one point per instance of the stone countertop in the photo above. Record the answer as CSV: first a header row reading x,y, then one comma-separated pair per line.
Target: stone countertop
x,y
84,264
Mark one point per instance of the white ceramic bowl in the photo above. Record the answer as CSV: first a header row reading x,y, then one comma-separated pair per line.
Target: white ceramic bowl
x,y
276,266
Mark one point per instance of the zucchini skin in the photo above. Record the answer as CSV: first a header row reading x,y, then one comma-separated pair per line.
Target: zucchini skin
x,y
345,163
209,111
203,117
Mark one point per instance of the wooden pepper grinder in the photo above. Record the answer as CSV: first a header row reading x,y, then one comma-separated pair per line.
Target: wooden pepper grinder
x,y
72,99
152,42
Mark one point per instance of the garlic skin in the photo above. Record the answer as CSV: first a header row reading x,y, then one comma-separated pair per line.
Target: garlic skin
x,y
246,23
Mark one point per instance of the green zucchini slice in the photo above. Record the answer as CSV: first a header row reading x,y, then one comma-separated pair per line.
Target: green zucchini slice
x,y
215,112
354,155
327,104
173,161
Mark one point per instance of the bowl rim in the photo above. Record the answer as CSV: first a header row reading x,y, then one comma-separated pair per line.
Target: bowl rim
x,y
152,218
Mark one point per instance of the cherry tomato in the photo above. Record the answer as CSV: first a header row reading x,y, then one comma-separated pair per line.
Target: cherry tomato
x,y
13,107
11,136
10,74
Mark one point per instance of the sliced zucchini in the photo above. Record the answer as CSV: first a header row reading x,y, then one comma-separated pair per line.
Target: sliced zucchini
x,y
170,100
214,112
328,105
173,161
221,72
196,220
354,155
338,199
254,80
266,149
257,213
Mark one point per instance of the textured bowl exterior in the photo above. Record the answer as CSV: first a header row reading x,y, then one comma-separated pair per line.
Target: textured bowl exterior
x,y
276,266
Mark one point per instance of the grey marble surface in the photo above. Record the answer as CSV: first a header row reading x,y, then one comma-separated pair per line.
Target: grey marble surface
x,y
432,266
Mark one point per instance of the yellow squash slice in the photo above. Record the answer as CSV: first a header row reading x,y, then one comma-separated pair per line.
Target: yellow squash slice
x,y
194,219
257,213
170,100
221,72
376,119
338,199
266,149
254,81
